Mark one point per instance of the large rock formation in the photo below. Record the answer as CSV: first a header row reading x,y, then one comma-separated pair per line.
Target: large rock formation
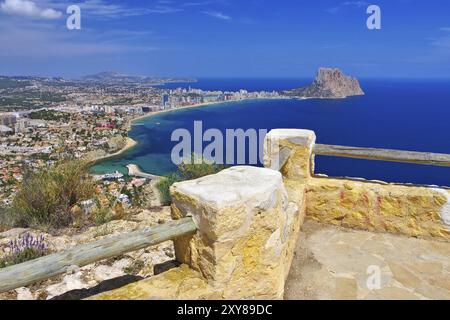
x,y
329,83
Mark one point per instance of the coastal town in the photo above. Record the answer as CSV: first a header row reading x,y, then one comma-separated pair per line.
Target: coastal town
x,y
45,120
48,125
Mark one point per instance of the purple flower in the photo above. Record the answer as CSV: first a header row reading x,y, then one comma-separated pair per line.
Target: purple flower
x,y
28,241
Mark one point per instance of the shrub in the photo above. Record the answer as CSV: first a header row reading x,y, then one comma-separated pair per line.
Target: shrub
x,y
24,249
163,187
46,197
189,170
186,171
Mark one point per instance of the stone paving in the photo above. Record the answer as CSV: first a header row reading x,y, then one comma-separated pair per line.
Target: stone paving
x,y
337,263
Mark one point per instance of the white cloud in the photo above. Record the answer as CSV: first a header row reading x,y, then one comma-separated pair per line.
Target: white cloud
x,y
29,9
31,40
443,41
355,4
196,4
102,9
218,15
437,52
163,9
358,4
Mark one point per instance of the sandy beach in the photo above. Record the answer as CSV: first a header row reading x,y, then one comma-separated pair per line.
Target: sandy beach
x,y
204,104
130,143
198,105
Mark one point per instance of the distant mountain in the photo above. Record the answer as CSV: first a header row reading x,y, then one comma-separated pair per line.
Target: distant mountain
x,y
115,77
111,75
329,83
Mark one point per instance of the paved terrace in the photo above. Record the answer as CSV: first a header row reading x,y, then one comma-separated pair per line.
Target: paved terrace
x,y
332,263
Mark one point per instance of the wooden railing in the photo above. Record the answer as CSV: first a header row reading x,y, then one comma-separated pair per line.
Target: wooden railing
x,y
426,158
58,263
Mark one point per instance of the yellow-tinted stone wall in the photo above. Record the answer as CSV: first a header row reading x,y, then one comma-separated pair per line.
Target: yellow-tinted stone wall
x,y
408,210
247,228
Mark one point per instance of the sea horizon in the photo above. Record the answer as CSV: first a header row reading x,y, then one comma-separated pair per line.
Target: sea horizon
x,y
414,107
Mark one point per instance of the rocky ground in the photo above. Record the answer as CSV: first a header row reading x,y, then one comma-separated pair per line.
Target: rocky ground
x,y
104,275
329,263
336,263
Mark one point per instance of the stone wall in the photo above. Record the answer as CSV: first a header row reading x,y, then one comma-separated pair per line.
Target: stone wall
x,y
412,211
374,206
289,151
248,221
247,228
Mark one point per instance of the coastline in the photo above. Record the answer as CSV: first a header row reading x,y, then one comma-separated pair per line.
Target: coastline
x,y
135,170
132,143
199,105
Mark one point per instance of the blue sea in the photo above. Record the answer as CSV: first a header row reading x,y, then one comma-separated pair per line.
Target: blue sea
x,y
394,114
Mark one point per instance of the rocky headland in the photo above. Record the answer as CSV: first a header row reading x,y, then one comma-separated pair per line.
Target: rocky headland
x,y
330,83
115,146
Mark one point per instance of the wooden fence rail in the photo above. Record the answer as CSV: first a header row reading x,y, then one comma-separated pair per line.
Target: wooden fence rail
x,y
435,159
58,263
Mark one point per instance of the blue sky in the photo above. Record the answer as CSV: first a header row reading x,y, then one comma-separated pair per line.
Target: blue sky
x,y
226,38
